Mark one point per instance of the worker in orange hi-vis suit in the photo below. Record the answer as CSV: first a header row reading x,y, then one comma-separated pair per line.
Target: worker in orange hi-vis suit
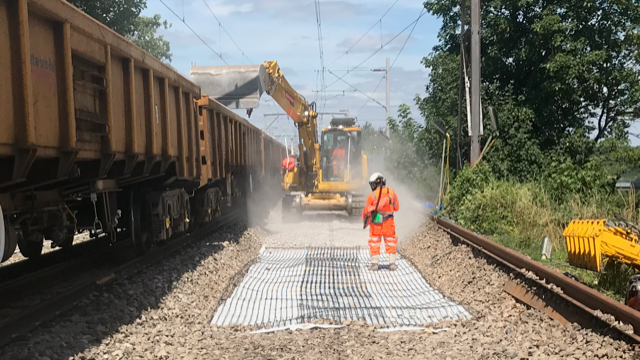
x,y
288,164
378,214
337,157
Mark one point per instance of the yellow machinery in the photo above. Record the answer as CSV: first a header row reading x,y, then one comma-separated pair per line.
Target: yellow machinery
x,y
331,172
590,242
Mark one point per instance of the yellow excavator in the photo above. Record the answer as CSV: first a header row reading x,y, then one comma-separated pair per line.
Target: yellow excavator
x,y
331,172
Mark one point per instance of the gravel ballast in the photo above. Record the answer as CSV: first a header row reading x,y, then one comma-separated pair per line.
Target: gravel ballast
x,y
164,311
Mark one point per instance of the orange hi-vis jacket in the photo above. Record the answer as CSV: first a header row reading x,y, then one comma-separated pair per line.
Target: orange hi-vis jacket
x,y
338,158
388,203
288,163
387,229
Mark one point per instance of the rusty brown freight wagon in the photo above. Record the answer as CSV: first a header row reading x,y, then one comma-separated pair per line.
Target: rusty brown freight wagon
x,y
98,135
234,154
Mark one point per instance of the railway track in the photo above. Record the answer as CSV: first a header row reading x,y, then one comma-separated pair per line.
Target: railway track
x,y
575,293
18,279
42,295
52,259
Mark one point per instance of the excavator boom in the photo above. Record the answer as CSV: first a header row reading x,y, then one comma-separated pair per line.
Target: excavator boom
x,y
240,87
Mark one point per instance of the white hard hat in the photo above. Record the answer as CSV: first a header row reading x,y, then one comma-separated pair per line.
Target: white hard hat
x,y
375,176
376,179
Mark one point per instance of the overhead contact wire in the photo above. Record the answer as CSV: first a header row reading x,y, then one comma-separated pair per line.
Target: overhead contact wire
x,y
225,30
193,31
378,50
365,34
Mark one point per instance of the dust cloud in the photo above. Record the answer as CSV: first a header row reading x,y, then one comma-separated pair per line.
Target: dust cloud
x,y
331,228
411,214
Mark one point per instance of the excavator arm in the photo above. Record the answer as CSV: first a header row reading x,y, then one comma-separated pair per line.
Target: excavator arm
x,y
240,87
299,110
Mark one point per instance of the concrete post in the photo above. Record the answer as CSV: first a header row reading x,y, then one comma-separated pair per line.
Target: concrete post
x,y
475,81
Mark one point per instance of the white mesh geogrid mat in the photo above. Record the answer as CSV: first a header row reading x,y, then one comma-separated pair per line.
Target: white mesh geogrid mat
x,y
295,286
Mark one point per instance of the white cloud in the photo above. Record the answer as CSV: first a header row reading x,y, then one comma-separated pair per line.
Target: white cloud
x,y
296,10
220,8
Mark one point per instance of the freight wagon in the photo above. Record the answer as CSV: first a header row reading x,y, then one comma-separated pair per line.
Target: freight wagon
x,y
98,135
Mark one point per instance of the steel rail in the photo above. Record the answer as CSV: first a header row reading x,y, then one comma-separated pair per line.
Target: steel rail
x,y
29,319
52,259
589,298
48,277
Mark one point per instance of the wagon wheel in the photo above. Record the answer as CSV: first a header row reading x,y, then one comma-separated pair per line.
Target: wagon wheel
x,y
3,240
138,235
8,238
67,242
30,242
189,226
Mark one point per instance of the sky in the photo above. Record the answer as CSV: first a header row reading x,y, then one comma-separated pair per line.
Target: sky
x,y
287,31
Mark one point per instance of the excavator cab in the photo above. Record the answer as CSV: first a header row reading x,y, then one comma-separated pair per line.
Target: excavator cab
x,y
340,151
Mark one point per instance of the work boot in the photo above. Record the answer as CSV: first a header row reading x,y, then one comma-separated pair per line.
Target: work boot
x,y
392,262
374,263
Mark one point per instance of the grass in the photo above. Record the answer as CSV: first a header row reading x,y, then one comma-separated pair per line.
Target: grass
x,y
518,216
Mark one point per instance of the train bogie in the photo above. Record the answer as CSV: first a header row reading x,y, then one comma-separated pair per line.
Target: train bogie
x,y
206,206
169,213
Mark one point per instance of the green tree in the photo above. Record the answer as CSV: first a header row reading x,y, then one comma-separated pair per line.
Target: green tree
x,y
123,16
145,36
119,15
568,61
515,154
440,104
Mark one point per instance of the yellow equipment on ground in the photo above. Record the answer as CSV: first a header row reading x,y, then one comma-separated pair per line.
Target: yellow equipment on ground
x,y
590,241
331,173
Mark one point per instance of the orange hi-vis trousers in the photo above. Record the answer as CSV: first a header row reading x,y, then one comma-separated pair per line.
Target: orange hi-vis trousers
x,y
386,230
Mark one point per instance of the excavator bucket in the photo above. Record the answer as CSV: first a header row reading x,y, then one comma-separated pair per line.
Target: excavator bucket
x,y
235,86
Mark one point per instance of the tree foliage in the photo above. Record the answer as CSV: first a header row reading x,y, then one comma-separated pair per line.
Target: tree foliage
x,y
564,78
123,16
573,63
145,36
119,15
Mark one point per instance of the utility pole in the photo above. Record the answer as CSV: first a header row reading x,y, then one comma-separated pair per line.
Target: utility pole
x,y
475,81
461,91
388,100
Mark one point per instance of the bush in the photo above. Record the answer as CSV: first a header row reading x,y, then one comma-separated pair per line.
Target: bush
x,y
465,185
518,215
515,215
